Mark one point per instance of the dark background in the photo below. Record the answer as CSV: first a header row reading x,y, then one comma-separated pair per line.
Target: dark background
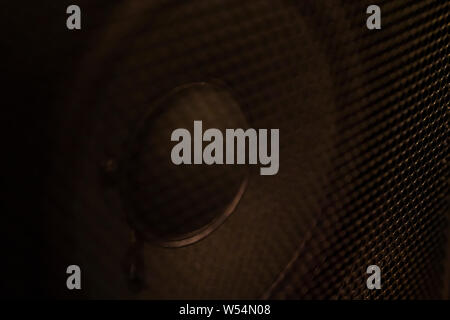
x,y
38,57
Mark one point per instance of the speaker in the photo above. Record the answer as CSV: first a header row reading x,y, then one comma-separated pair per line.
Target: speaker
x,y
362,178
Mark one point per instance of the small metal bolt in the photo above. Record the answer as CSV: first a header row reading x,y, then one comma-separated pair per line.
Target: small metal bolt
x,y
110,166
109,170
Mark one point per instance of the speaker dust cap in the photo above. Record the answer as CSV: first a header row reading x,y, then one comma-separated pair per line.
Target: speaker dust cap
x,y
176,205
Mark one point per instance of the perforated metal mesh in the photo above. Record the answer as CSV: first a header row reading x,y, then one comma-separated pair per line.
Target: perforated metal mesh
x,y
391,173
363,175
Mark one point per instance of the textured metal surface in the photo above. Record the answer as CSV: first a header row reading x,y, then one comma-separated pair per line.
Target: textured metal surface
x,y
391,175
363,126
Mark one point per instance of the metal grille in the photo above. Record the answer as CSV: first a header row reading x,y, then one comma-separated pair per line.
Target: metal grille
x,y
363,126
391,175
